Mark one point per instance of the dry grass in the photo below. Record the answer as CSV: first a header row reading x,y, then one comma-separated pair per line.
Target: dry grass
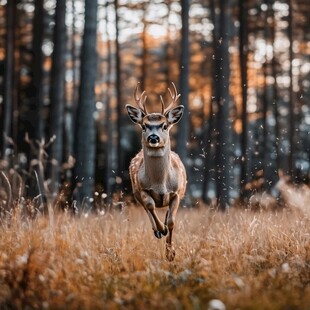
x,y
248,260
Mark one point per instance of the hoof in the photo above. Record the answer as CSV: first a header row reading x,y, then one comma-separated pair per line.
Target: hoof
x,y
170,253
165,231
158,234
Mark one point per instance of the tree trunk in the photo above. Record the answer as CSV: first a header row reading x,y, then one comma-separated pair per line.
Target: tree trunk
x,y
275,98
71,105
85,123
269,132
224,124
183,126
291,159
57,95
167,44
208,152
243,55
119,152
110,145
38,28
212,121
6,131
144,50
267,142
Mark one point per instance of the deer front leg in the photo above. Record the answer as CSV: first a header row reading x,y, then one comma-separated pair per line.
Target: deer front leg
x,y
170,220
158,226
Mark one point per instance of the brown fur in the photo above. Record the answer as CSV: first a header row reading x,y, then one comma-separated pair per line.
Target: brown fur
x,y
157,174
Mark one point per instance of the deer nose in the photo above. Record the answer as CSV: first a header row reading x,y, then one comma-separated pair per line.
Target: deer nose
x,y
153,138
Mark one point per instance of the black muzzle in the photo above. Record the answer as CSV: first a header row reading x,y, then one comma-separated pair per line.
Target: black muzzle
x,y
153,139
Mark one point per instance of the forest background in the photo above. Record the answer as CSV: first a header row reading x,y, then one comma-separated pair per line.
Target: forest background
x,y
68,68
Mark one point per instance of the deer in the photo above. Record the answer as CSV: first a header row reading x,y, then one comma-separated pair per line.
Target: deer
x,y
158,176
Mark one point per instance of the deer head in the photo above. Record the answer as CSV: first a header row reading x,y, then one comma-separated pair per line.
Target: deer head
x,y
155,126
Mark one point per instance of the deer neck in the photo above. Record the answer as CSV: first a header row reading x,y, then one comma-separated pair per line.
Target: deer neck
x,y
157,163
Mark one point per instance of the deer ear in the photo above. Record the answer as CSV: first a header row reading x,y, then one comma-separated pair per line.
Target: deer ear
x,y
135,114
174,115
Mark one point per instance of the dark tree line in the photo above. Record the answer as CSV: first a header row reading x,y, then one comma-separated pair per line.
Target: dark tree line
x,y
68,67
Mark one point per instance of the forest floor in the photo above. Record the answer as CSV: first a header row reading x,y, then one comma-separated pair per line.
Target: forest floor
x,y
246,259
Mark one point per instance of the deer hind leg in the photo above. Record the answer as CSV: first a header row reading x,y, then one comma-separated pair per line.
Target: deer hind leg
x,y
170,220
160,229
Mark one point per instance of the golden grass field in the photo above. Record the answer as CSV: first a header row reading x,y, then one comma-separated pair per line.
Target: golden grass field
x,y
246,259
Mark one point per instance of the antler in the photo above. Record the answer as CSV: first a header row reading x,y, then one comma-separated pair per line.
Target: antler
x,y
174,98
140,100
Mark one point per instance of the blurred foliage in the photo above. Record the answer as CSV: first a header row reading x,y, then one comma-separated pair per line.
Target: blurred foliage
x,y
148,36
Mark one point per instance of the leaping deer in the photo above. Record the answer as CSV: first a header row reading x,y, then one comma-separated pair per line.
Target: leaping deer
x,y
157,174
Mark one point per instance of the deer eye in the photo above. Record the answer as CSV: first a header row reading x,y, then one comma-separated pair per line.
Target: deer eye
x,y
164,127
143,127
